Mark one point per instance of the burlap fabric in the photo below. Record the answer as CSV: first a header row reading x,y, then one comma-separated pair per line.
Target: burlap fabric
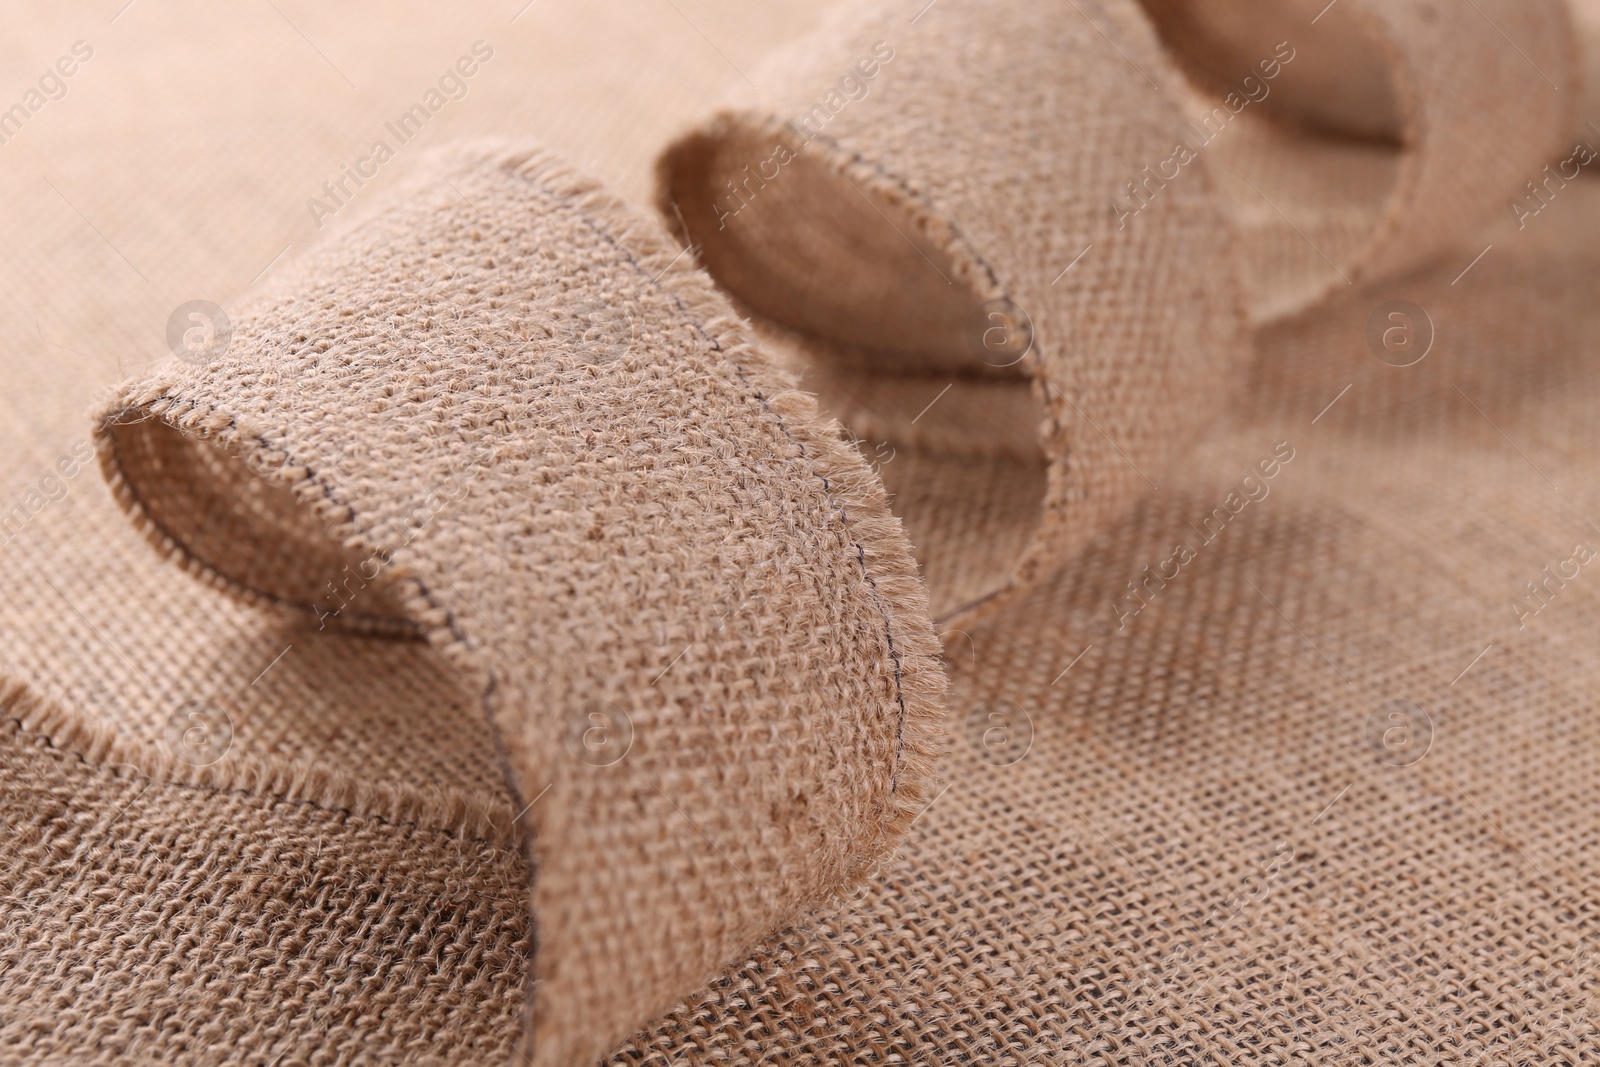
x,y
1372,181
723,684
1281,756
994,269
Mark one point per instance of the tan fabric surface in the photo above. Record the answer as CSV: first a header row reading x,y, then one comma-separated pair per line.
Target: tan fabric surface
x,y
959,195
509,420
1383,172
1179,821
101,628
1207,855
164,914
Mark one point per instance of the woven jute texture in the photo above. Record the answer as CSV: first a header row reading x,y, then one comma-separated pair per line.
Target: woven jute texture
x,y
1219,840
937,231
1371,181
894,259
507,654
486,412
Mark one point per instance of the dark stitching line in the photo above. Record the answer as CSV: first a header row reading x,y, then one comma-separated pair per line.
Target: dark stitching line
x,y
957,236
366,625
827,488
912,196
372,625
501,756
899,733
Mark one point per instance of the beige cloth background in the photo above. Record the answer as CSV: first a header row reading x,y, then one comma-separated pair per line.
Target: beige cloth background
x,y
1202,856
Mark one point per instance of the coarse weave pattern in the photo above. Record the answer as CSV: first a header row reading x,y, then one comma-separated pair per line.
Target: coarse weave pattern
x,y
1205,854
217,923
1277,744
482,413
1320,209
944,209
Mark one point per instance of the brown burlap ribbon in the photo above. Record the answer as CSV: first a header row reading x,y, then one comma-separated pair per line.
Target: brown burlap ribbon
x,y
494,417
1030,193
1381,137
950,229
505,415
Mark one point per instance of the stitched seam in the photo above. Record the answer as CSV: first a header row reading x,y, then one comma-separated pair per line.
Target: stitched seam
x,y
365,624
223,580
957,237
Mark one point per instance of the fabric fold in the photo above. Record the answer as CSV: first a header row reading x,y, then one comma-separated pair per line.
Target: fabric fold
x,y
917,215
500,414
1069,215
1018,251
1356,140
